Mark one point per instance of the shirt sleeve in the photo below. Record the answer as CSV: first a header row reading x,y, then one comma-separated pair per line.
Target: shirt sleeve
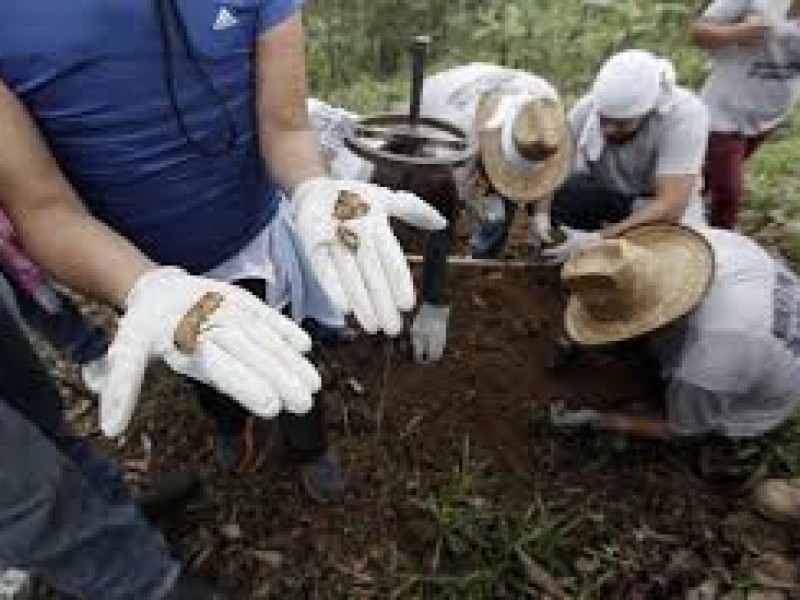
x,y
274,12
726,11
788,34
732,384
576,119
683,149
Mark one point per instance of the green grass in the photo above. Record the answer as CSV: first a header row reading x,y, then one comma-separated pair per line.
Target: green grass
x,y
775,171
479,543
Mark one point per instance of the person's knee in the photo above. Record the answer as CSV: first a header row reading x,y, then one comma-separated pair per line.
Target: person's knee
x,y
575,184
33,494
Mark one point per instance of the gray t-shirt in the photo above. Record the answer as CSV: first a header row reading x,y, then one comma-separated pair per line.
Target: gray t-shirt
x,y
751,88
673,143
729,366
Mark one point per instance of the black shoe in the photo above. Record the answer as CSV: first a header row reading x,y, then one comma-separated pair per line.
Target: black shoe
x,y
258,442
327,336
166,493
189,587
324,479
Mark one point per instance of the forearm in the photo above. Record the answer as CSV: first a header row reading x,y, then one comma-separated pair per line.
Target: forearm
x,y
713,36
654,210
653,428
297,159
289,144
49,218
80,252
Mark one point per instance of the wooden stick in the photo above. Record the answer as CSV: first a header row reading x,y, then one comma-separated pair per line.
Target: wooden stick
x,y
538,577
465,261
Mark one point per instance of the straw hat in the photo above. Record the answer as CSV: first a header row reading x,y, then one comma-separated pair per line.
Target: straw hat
x,y
537,156
625,287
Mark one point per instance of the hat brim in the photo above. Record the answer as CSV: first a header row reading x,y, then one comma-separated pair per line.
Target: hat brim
x,y
683,268
523,186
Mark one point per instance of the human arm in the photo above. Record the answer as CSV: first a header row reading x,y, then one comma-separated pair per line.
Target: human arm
x,y
678,167
50,220
58,233
726,23
672,193
357,260
708,35
638,426
289,144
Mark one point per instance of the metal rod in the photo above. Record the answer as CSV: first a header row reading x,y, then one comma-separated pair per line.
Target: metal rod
x,y
418,50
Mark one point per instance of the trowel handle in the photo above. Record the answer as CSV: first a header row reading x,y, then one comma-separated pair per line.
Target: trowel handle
x,y
419,48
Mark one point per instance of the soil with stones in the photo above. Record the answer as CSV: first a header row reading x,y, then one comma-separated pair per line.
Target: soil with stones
x,y
459,487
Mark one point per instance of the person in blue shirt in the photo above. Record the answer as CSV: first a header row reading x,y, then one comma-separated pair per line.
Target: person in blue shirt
x,y
151,151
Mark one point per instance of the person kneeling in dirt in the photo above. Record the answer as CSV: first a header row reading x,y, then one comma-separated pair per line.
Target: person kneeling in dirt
x,y
718,315
523,138
640,143
524,142
525,154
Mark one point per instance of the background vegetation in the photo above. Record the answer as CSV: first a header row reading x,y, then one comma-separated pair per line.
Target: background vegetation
x,y
358,48
358,57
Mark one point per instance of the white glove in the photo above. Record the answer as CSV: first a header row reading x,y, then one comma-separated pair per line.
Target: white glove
x,y
244,349
576,241
540,228
429,333
94,374
585,417
368,276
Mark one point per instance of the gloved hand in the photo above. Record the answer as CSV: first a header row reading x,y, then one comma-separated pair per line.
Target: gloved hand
x,y
576,241
242,348
572,419
94,375
429,333
353,251
541,227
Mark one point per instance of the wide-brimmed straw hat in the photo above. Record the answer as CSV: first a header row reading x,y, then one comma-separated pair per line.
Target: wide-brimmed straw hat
x,y
528,154
648,277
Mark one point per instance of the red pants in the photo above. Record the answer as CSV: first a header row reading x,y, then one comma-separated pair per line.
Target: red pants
x,y
724,174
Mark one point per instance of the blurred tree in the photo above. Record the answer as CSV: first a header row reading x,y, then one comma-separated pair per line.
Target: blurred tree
x,y
355,44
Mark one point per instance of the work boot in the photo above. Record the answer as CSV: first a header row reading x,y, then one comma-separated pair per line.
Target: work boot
x,y
248,450
166,493
323,478
190,587
778,500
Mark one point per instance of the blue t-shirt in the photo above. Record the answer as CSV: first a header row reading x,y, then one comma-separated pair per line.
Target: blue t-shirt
x,y
94,74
